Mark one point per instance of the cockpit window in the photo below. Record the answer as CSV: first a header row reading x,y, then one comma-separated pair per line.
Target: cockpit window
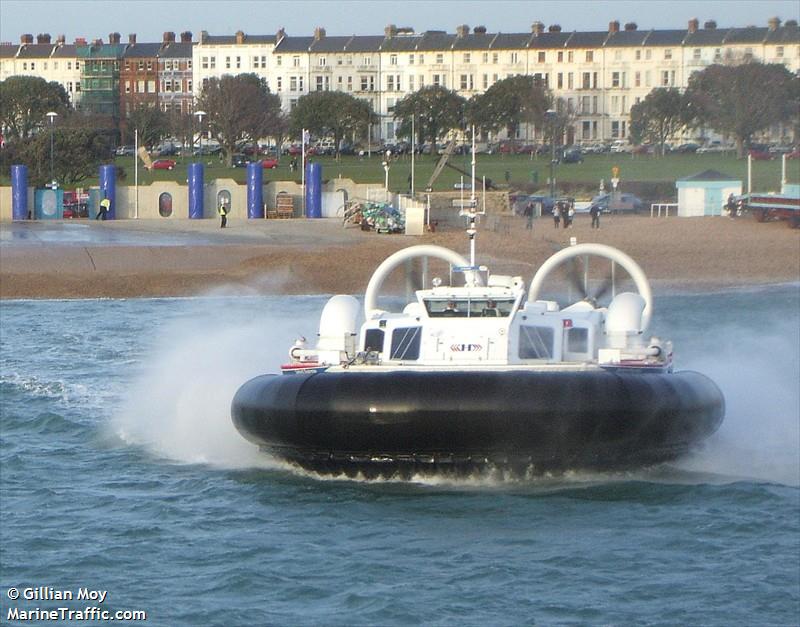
x,y
405,343
469,308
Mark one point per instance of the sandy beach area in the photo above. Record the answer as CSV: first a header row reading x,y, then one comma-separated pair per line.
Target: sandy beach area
x,y
182,258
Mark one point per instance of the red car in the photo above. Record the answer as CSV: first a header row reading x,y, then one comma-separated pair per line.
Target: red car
x,y
269,163
761,155
164,164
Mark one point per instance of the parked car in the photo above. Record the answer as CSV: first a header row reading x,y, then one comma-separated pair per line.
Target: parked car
x,y
760,154
125,151
687,148
164,164
572,155
617,203
621,145
239,161
269,163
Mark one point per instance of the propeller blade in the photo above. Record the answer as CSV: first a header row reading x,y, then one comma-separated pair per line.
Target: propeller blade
x,y
575,277
605,286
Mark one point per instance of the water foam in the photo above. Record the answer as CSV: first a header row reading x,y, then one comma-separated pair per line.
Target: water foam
x,y
758,374
180,408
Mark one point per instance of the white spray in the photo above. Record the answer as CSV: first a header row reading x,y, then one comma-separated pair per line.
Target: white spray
x,y
180,407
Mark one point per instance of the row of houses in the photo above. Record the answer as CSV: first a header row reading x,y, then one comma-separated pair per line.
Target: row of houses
x,y
599,74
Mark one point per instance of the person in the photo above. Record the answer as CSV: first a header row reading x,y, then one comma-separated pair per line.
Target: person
x,y
594,211
731,206
490,311
451,309
528,213
563,207
556,215
105,205
223,214
409,183
570,213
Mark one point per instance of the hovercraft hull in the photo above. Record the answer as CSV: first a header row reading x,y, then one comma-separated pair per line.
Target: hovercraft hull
x,y
382,423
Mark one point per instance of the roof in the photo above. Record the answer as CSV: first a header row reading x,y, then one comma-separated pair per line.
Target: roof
x,y
666,37
330,44
294,44
230,40
626,38
709,175
474,41
365,43
587,39
8,51
550,40
176,50
65,50
35,51
138,50
510,41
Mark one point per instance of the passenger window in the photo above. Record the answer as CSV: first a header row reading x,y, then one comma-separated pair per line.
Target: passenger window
x,y
577,340
535,342
405,343
373,340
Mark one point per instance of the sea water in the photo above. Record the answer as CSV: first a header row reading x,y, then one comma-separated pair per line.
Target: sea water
x,y
120,472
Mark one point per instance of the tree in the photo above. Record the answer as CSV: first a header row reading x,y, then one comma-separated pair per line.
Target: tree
x,y
81,143
741,100
659,116
239,108
151,122
436,112
25,102
509,103
330,113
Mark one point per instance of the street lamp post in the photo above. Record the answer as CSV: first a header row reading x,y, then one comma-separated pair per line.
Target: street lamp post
x,y
52,115
550,115
200,115
386,166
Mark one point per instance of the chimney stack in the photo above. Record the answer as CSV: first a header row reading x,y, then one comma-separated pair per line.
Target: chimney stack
x,y
537,28
791,23
613,27
239,37
114,38
186,37
710,25
390,31
168,37
27,38
43,38
280,35
479,30
694,24
774,23
631,26
462,31
97,42
61,39
131,39
554,28
80,41
319,33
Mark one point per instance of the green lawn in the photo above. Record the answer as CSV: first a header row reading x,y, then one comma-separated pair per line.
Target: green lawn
x,y
519,169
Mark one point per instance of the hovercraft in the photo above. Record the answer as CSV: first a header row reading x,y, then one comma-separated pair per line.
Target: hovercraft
x,y
479,376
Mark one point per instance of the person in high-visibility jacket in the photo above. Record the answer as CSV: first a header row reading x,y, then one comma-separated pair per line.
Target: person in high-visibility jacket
x,y
105,205
223,214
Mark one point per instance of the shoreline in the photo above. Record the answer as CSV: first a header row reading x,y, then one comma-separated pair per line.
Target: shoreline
x,y
191,258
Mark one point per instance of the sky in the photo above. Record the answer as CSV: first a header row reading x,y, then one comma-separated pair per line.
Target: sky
x,y
94,19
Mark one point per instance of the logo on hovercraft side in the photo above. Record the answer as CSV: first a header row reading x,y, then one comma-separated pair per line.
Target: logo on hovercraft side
x,y
465,348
